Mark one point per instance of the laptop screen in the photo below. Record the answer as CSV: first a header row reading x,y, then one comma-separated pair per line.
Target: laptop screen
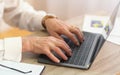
x,y
110,24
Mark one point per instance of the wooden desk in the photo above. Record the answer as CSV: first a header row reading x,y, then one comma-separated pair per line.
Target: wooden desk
x,y
14,32
107,61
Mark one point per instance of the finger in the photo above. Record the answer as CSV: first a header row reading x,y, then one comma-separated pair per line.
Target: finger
x,y
81,33
65,47
72,37
56,35
52,57
60,53
78,33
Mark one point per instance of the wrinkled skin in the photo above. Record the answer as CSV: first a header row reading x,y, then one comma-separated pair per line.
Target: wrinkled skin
x,y
45,45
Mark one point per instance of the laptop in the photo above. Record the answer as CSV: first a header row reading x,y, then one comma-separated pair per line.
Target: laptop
x,y
84,55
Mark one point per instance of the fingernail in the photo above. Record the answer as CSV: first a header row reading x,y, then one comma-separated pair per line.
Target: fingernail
x,y
58,61
70,50
83,38
70,53
66,58
82,41
78,43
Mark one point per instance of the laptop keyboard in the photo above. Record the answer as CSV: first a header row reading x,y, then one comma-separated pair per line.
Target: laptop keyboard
x,y
80,53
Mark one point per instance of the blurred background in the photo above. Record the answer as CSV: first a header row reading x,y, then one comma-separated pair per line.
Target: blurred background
x,y
66,9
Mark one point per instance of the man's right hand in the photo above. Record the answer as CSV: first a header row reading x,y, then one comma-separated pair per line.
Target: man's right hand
x,y
45,45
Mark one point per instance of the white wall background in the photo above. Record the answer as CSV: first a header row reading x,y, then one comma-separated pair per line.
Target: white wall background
x,y
66,9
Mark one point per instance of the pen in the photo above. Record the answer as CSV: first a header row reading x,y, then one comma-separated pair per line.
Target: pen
x,y
15,69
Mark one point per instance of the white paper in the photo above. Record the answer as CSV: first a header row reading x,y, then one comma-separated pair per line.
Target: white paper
x,y
36,69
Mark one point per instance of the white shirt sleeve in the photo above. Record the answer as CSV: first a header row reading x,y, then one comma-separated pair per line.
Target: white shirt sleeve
x,y
21,14
11,49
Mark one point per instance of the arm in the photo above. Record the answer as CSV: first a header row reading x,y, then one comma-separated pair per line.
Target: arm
x,y
20,14
30,19
27,18
12,48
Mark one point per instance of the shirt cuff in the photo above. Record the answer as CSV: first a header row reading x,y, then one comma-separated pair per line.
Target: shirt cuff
x,y
13,49
37,20
1,49
40,17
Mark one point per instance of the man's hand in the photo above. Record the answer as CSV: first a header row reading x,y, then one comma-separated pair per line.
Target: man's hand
x,y
56,27
45,45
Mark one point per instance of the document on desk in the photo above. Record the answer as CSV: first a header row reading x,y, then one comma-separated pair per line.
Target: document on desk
x,y
95,24
15,68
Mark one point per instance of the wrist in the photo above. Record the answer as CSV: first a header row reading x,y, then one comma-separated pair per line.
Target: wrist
x,y
26,45
45,18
